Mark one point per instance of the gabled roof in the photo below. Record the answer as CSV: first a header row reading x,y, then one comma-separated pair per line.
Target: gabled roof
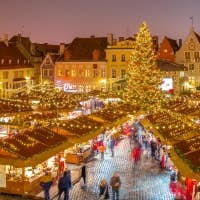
x,y
166,65
173,43
198,37
82,48
12,53
54,56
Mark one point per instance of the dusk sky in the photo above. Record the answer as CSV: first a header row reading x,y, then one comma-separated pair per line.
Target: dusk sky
x,y
55,21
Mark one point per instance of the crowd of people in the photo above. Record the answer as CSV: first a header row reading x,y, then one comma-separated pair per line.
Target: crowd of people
x,y
143,144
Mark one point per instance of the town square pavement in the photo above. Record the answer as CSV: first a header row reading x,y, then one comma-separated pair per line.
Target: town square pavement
x,y
145,181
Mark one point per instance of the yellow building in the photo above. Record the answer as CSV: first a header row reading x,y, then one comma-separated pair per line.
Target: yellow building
x,y
16,72
118,56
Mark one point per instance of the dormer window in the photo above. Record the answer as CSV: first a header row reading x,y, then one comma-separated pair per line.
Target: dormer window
x,y
18,61
2,61
47,61
10,61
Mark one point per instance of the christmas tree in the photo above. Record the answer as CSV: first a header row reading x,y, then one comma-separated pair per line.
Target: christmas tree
x,y
143,78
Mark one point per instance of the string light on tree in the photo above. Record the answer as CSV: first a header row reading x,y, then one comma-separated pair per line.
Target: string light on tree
x,y
143,77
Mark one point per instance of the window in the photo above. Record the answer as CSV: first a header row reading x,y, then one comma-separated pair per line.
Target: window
x,y
196,56
114,73
10,61
45,73
24,61
103,73
95,71
18,61
47,61
191,67
2,61
59,72
113,58
123,58
50,72
5,85
123,73
73,72
87,72
187,56
5,75
67,72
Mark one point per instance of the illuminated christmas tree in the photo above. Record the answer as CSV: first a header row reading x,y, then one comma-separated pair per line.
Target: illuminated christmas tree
x,y
143,77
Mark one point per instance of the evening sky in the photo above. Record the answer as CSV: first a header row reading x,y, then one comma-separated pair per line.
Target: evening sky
x,y
55,21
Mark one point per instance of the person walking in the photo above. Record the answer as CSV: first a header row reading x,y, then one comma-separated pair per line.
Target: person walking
x,y
104,190
112,145
115,183
83,175
102,150
64,185
46,183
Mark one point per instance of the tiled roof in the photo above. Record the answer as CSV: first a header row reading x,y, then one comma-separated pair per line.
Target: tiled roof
x,y
43,49
165,65
54,56
82,48
10,56
40,49
173,43
25,41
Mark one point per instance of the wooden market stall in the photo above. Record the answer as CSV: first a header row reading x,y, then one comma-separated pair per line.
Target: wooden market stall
x,y
26,157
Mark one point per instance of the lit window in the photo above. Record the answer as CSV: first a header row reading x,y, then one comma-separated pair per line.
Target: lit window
x,y
123,58
2,61
113,58
123,73
10,61
114,73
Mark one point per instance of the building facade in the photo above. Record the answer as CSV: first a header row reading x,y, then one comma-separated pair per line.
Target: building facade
x,y
189,55
16,71
82,67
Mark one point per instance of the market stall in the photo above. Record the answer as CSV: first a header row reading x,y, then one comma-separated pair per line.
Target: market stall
x,y
26,157
78,153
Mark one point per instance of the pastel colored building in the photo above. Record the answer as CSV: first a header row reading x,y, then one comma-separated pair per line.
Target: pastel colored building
x,y
83,66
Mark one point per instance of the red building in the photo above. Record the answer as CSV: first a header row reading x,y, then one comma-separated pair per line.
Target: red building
x,y
168,48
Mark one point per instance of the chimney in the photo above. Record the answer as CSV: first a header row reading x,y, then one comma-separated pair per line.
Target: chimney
x,y
180,43
110,39
62,48
121,39
5,39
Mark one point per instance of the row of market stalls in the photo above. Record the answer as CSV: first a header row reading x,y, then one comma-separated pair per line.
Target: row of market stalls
x,y
28,154
183,134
